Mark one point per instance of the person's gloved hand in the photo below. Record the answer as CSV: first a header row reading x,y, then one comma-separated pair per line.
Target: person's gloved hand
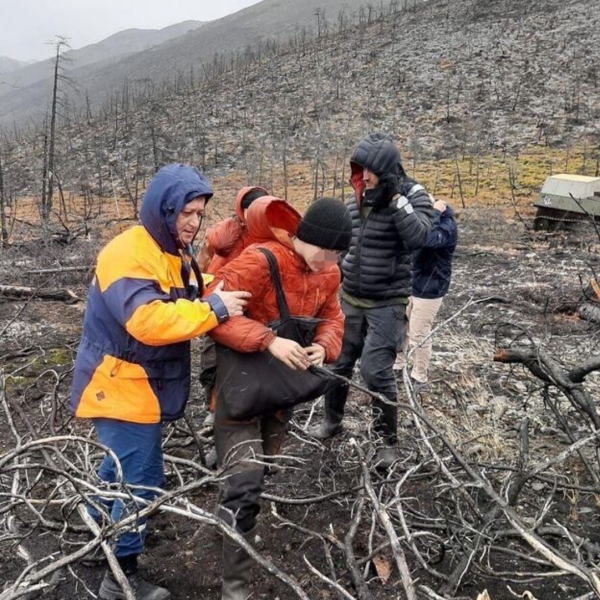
x,y
387,188
389,184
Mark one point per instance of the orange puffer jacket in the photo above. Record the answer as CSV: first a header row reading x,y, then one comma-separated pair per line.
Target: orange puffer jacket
x,y
308,293
227,239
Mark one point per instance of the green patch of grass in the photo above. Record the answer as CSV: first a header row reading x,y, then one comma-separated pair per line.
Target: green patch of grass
x,y
58,357
54,358
28,370
16,383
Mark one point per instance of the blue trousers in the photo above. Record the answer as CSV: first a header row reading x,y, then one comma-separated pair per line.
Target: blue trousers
x,y
139,450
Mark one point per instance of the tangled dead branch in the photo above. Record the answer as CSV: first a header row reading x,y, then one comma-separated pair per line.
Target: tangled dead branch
x,y
440,518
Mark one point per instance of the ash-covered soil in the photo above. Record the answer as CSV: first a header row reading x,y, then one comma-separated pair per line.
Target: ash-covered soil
x,y
511,288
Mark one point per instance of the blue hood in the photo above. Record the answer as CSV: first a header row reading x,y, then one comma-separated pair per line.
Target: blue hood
x,y
168,192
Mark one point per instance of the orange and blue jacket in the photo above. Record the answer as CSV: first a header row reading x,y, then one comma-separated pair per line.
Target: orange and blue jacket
x,y
133,362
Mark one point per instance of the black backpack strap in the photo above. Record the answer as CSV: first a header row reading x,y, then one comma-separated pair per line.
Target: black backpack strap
x,y
284,311
196,269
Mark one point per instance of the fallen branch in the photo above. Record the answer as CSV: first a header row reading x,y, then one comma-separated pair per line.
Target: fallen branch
x,y
15,292
384,519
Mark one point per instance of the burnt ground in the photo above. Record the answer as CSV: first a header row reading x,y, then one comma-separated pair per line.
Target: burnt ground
x,y
537,282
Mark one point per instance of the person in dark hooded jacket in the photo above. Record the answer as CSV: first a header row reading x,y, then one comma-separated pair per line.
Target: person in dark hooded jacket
x,y
391,216
432,271
132,370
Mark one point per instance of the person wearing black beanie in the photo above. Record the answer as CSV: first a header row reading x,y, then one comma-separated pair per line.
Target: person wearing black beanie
x,y
306,253
251,196
391,215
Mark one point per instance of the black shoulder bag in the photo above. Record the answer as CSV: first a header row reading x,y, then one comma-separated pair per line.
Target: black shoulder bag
x,y
254,383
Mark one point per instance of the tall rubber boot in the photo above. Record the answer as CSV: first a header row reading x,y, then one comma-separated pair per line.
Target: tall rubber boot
x,y
335,401
386,425
237,569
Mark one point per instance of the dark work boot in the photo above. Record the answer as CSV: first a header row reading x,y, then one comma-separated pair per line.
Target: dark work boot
x,y
335,401
386,425
237,569
143,590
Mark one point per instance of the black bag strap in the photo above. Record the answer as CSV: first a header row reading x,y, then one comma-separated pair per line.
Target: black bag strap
x,y
196,269
284,311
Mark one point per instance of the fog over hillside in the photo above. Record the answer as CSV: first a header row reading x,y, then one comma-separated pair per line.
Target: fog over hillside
x,y
9,65
28,85
99,69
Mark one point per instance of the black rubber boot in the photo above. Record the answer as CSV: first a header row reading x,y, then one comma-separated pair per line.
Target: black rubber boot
x,y
237,569
143,590
331,425
386,425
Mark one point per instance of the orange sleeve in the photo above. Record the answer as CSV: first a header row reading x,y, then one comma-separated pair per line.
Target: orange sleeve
x,y
249,273
331,329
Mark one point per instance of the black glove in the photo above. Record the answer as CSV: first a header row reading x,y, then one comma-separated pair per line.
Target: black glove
x,y
381,196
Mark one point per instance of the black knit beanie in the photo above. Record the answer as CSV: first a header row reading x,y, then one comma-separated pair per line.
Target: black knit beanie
x,y
326,224
251,196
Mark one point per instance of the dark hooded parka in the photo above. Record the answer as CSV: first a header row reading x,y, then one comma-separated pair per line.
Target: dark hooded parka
x,y
378,265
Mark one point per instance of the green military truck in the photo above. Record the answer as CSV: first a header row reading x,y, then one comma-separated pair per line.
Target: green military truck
x,y
567,199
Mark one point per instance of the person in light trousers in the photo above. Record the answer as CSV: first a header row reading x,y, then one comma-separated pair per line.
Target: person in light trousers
x,y
431,271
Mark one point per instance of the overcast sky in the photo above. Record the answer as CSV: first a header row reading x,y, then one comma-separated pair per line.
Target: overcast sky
x,y
26,24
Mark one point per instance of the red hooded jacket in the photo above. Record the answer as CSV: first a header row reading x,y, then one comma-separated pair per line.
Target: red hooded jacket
x,y
227,239
308,293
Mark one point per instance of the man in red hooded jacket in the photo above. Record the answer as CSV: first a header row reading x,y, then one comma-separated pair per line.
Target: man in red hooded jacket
x,y
224,241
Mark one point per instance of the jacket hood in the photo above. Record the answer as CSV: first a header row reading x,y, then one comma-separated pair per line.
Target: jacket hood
x,y
269,216
377,153
239,211
168,192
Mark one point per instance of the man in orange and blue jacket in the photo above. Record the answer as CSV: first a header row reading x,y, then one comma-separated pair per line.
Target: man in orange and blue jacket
x,y
132,371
